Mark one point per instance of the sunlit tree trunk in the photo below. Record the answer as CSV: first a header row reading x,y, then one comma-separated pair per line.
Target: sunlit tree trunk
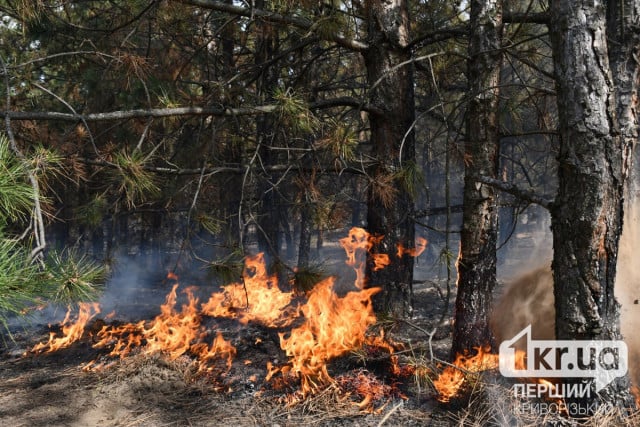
x,y
477,261
390,202
587,214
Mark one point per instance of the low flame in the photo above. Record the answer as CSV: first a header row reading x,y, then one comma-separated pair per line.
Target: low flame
x,y
329,325
219,348
451,380
71,331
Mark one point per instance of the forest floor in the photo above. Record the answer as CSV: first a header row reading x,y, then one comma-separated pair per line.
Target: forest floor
x,y
53,389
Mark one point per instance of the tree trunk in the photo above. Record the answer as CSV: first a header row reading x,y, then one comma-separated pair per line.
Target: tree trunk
x,y
268,235
389,202
230,151
477,261
304,247
587,214
623,35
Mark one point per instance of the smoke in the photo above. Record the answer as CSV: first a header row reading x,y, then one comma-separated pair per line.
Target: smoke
x,y
627,280
136,288
528,299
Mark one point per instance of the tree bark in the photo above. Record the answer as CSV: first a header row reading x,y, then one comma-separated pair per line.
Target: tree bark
x,y
268,233
390,205
623,35
477,260
587,214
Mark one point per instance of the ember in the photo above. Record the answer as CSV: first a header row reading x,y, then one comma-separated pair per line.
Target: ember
x,y
370,389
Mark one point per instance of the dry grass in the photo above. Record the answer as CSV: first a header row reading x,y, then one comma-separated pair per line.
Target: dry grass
x,y
493,404
145,390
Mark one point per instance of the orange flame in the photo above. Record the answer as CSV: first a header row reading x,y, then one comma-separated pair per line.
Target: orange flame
x,y
450,381
71,332
219,348
421,245
257,299
380,261
333,326
356,245
173,332
329,325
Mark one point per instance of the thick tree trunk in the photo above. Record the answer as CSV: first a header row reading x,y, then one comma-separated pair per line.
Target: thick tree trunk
x,y
390,204
623,35
587,214
477,261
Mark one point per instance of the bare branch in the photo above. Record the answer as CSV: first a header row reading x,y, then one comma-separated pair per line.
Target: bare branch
x,y
37,218
179,111
512,189
296,21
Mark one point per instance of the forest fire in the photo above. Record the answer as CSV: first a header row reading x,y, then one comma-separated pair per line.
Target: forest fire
x,y
333,326
458,378
72,331
452,380
257,299
327,325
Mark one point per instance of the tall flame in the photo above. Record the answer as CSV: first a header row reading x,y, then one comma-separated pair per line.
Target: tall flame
x,y
173,332
333,326
257,299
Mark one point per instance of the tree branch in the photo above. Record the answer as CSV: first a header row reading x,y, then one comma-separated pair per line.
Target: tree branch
x,y
440,35
512,189
180,111
296,21
462,30
526,18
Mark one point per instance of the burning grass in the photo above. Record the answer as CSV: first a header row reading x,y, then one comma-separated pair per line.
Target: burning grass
x,y
303,358
313,329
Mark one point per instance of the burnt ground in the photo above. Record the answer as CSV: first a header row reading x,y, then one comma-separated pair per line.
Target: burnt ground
x,y
52,389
